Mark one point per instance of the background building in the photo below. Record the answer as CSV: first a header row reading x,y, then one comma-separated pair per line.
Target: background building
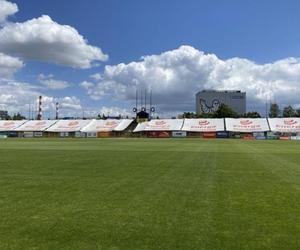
x,y
208,101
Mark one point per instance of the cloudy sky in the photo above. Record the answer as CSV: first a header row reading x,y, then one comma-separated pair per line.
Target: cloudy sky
x,y
91,56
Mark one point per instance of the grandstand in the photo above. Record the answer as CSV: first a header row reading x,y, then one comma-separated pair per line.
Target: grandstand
x,y
34,128
247,128
105,128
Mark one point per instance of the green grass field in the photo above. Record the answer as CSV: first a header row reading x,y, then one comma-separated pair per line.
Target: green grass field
x,y
149,194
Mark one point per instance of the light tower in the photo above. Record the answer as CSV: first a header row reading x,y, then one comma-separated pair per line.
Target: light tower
x,y
39,116
57,109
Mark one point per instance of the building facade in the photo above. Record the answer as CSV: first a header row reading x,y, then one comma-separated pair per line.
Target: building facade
x,y
208,101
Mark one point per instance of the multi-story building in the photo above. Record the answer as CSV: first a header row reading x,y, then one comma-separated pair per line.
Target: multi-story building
x,y
208,101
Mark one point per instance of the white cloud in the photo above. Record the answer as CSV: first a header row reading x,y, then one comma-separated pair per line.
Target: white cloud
x,y
51,83
175,76
114,111
96,77
7,9
9,65
43,39
55,84
16,97
92,90
70,102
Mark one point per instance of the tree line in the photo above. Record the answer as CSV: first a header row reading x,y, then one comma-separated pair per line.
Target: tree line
x,y
225,111
15,117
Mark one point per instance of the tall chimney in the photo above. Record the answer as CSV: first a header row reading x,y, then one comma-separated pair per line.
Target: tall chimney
x,y
57,109
39,116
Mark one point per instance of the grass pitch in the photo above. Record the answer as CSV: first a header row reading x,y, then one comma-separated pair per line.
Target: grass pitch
x,y
149,194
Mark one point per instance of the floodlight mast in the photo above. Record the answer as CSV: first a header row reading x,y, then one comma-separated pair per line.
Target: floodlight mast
x,y
57,110
39,116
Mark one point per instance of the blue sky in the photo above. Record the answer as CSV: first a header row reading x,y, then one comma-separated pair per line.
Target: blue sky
x,y
262,32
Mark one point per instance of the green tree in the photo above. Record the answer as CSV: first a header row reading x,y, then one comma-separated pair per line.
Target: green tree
x,y
274,110
225,111
298,112
289,112
18,117
253,114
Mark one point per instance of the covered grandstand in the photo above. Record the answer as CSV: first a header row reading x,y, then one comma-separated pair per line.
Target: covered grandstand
x,y
106,128
247,128
7,128
34,128
207,128
285,128
160,128
67,128
285,125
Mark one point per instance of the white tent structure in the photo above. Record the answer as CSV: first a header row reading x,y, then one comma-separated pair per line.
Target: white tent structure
x,y
6,126
36,125
124,124
284,125
203,125
67,126
247,125
161,125
106,125
140,127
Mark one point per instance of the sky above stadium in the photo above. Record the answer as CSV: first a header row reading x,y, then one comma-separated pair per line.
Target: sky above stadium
x,y
91,56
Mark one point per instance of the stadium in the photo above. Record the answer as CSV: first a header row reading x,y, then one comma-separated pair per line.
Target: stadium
x,y
245,128
155,183
140,125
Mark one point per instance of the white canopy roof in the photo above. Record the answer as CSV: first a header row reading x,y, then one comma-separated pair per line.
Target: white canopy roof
x,y
247,125
68,125
124,124
203,125
36,125
10,125
161,125
107,125
140,127
289,125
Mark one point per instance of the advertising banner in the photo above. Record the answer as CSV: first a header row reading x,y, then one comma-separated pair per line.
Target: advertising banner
x,y
101,125
203,125
284,125
247,125
164,125
36,125
68,125
10,125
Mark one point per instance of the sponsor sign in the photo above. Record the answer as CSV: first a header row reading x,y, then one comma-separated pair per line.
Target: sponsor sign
x,y
296,138
91,134
64,134
36,125
28,134
209,135
285,125
284,138
68,125
247,125
38,134
107,125
179,134
222,135
10,125
203,125
79,134
164,125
